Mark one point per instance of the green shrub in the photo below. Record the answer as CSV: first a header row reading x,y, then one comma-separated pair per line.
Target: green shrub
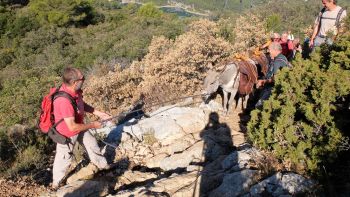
x,y
273,23
21,25
30,157
297,123
63,12
4,146
149,10
22,149
21,98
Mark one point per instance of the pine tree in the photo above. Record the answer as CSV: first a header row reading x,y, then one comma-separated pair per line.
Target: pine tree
x,y
297,123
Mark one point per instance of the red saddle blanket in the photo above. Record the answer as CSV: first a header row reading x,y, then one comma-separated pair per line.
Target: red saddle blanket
x,y
263,62
248,77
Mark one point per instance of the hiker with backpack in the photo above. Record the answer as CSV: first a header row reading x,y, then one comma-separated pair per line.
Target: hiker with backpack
x,y
69,111
278,62
328,22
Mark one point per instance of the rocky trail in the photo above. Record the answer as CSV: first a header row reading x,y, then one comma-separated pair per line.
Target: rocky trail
x,y
179,151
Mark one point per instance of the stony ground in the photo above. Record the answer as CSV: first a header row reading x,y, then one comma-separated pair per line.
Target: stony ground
x,y
29,188
20,188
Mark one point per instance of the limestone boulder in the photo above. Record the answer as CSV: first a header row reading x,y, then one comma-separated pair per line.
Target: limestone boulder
x,y
296,184
283,184
168,124
83,188
240,159
134,177
235,184
182,160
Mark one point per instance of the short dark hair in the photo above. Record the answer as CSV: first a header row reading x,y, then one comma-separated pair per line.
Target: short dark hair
x,y
69,75
334,1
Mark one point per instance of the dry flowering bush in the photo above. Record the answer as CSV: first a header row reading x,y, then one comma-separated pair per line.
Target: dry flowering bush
x,y
172,68
115,91
178,69
249,32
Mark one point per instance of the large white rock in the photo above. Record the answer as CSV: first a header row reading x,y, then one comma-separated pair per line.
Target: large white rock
x,y
268,185
181,160
279,184
295,183
134,176
211,106
240,158
175,185
179,146
168,124
83,188
235,184
155,161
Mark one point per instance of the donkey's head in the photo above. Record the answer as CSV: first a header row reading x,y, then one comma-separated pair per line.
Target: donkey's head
x,y
210,84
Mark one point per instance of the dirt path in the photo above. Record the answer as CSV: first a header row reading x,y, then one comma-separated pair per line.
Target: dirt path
x,y
233,120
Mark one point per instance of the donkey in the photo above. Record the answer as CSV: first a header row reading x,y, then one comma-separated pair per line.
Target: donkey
x,y
228,80
238,76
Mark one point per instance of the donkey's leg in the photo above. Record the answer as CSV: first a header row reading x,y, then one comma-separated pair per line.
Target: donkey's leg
x,y
225,101
245,101
230,102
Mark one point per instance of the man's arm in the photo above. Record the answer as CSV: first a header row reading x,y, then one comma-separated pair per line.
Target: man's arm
x,y
76,127
316,27
90,109
263,82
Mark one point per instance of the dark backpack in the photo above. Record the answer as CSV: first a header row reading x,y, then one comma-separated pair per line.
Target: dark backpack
x,y
47,120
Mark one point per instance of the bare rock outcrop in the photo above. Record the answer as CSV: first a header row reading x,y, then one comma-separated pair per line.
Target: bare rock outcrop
x,y
183,151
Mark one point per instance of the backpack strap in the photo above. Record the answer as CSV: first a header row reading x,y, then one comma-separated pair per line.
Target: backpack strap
x,y
319,19
337,20
64,94
67,96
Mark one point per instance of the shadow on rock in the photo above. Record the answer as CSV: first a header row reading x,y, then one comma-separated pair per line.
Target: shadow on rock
x,y
100,185
217,143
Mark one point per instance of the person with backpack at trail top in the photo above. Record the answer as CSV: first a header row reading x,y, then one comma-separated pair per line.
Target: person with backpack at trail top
x,y
73,126
278,62
329,21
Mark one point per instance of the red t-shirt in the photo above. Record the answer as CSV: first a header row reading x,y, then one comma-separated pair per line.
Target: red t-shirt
x,y
287,48
64,109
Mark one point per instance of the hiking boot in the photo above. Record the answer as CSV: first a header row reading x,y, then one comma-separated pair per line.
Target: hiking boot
x,y
54,187
107,167
84,173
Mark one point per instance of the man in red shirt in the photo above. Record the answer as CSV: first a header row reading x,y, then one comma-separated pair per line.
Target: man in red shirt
x,y
74,127
287,46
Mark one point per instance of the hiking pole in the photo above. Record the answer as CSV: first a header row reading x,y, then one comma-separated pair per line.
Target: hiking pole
x,y
109,144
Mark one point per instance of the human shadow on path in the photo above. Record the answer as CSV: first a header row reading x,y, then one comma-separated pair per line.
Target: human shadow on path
x,y
217,145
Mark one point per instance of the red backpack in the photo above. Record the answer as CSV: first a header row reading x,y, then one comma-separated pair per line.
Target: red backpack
x,y
47,119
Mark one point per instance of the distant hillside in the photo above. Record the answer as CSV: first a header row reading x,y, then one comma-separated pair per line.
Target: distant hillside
x,y
230,5
212,5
